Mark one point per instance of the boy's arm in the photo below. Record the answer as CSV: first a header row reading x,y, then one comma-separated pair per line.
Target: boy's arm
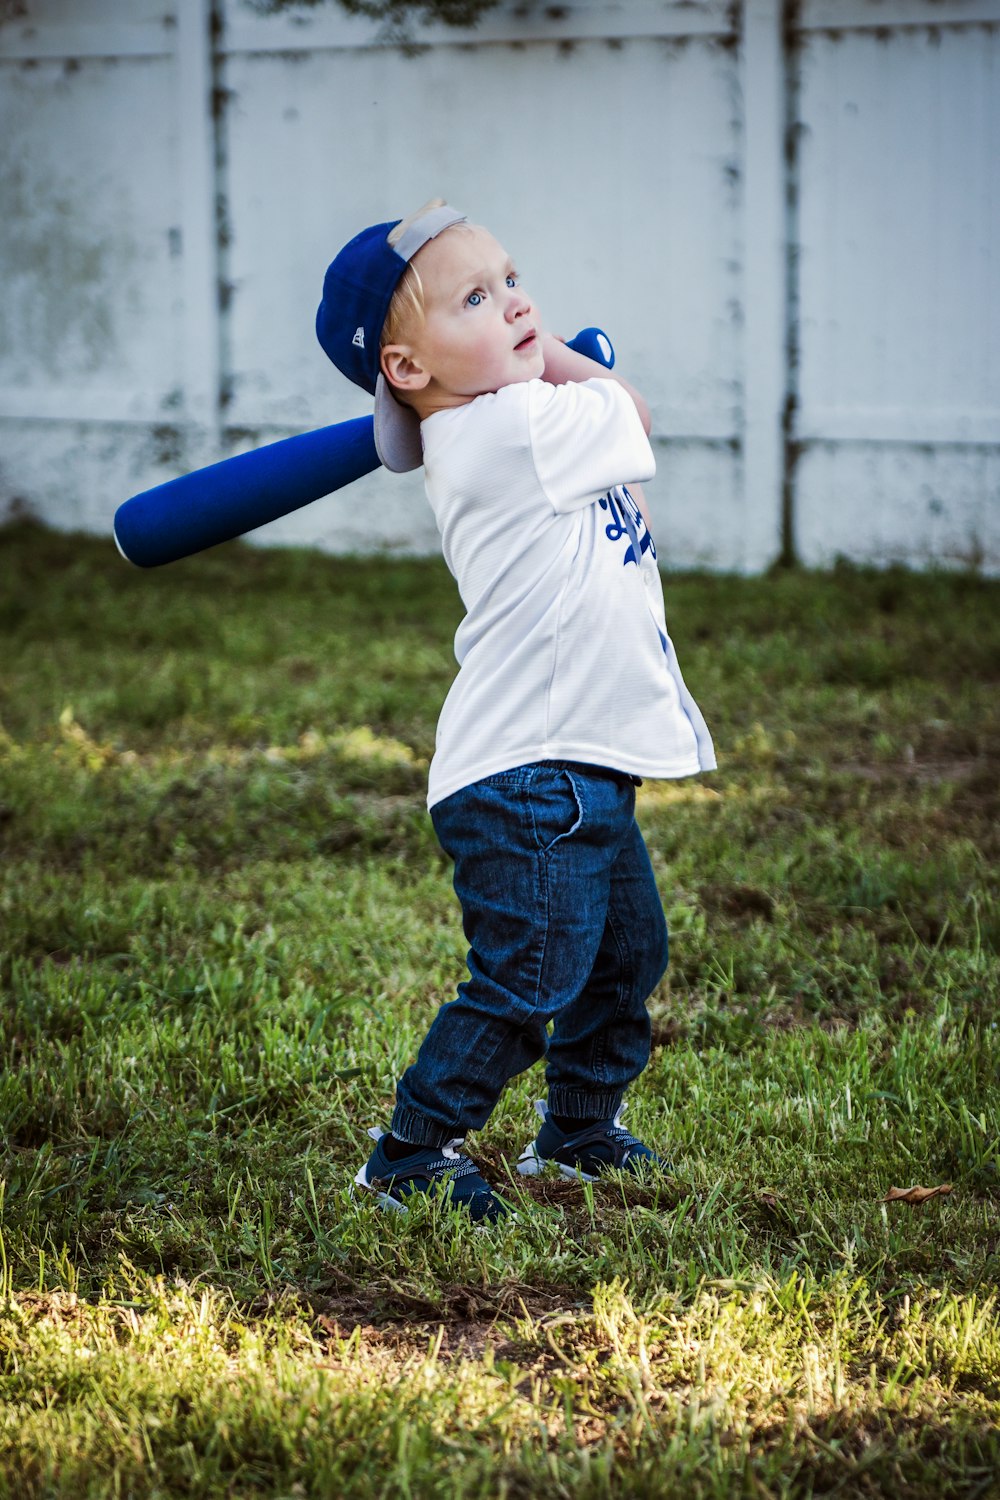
x,y
563,364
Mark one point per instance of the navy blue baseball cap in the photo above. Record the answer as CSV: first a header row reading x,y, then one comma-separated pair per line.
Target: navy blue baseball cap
x,y
357,290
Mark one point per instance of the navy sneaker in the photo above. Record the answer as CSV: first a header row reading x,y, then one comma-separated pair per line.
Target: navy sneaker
x,y
598,1148
456,1177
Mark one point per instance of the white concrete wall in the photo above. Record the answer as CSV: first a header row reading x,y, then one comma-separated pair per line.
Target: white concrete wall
x,y
790,233
898,235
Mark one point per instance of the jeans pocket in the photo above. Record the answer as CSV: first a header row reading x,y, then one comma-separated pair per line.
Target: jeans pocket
x,y
556,808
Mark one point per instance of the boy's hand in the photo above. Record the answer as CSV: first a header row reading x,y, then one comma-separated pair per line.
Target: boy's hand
x,y
563,364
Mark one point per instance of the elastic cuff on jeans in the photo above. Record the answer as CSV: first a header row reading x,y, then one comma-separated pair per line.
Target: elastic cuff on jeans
x,y
418,1131
571,1104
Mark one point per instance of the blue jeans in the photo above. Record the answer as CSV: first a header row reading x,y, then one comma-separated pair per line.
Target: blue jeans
x,y
565,925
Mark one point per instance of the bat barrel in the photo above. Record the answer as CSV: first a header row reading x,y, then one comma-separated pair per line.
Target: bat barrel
x,y
212,505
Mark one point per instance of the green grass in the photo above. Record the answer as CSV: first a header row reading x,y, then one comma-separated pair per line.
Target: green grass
x,y
225,924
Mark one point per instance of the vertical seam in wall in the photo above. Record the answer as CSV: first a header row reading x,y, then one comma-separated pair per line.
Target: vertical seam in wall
x,y
199,362
791,40
219,97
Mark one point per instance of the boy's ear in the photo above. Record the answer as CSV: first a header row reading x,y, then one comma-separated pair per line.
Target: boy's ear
x,y
401,369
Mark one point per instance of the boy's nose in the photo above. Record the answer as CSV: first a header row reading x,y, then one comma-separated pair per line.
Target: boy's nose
x,y
519,304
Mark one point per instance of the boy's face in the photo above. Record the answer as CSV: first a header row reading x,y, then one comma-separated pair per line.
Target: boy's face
x,y
481,330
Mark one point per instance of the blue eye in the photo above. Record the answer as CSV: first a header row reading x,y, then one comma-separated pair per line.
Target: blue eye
x,y
513,279
474,299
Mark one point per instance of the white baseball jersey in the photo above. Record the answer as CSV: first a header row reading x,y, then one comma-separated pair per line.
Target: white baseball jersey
x,y
564,652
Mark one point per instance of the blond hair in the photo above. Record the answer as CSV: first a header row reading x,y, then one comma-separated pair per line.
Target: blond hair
x,y
407,306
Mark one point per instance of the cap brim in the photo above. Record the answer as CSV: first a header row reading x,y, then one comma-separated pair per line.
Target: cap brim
x,y
397,431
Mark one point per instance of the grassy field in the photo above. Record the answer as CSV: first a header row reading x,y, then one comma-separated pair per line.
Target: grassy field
x,y
225,924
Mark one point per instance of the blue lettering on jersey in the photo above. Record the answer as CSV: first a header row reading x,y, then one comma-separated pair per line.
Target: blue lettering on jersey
x,y
626,520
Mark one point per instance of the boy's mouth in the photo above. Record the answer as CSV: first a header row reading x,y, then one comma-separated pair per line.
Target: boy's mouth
x,y
529,340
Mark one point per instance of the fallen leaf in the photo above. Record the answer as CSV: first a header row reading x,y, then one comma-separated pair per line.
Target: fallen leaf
x,y
916,1194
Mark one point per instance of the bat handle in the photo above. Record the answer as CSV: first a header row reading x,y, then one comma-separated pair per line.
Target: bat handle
x,y
595,344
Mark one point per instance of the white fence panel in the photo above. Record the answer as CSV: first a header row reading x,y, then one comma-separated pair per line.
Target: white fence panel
x,y
898,419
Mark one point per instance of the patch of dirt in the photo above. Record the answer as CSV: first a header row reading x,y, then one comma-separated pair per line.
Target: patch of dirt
x,y
464,1316
922,772
973,808
59,1307
565,1193
742,902
669,1032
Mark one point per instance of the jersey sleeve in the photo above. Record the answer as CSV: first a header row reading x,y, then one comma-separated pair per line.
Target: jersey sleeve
x,y
586,437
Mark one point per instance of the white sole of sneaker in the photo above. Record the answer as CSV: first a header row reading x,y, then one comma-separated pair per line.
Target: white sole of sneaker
x,y
530,1164
384,1200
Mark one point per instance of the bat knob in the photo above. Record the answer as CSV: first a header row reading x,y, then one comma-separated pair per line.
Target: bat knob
x,y
595,344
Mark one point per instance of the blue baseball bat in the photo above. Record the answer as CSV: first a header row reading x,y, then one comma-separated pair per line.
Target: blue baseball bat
x,y
228,499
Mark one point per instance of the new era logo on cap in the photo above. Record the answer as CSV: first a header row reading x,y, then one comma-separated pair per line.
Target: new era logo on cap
x,y
357,290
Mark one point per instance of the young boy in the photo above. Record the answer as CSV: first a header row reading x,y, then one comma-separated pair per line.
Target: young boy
x,y
568,693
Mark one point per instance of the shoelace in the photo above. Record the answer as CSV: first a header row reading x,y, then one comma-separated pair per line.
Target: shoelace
x,y
459,1166
456,1166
